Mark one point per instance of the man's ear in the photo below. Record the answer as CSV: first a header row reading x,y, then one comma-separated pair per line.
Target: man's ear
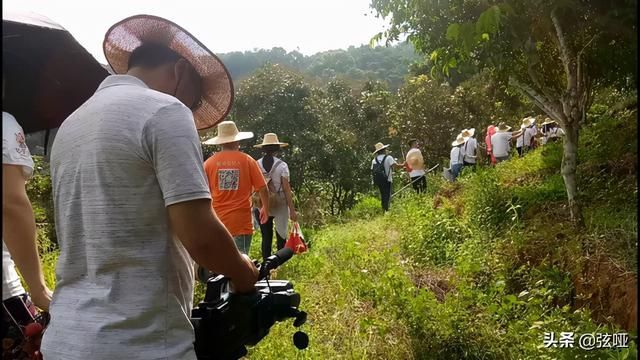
x,y
180,69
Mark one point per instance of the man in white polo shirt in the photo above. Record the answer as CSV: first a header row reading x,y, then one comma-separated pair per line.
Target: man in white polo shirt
x,y
132,203
501,141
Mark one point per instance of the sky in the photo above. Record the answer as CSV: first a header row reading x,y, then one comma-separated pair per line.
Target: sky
x,y
308,26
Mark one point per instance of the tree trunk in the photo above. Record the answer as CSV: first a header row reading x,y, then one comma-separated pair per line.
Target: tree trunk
x,y
568,170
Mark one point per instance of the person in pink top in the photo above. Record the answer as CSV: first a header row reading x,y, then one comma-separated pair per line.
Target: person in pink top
x,y
491,129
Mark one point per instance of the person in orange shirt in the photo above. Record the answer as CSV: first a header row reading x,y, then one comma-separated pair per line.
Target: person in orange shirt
x,y
233,177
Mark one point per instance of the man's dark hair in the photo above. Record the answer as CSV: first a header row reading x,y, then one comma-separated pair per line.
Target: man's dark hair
x,y
412,142
152,55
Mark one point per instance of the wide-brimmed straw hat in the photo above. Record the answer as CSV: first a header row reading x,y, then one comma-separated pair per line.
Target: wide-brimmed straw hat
x,y
228,133
459,140
528,121
380,146
217,88
468,132
271,139
548,121
502,127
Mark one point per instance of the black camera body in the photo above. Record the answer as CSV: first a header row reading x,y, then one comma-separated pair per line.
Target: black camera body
x,y
225,323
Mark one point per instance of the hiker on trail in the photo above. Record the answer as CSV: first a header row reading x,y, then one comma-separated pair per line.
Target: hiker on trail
x,y
415,161
469,149
457,156
382,168
491,129
530,132
501,141
281,208
19,244
233,176
520,141
552,132
132,204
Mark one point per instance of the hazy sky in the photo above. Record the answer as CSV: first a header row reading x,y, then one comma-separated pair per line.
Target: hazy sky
x,y
230,25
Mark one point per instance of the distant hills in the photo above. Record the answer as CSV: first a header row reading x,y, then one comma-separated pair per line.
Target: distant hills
x,y
355,65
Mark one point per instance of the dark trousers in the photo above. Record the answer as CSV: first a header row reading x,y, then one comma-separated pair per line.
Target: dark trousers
x,y
267,238
519,151
419,183
385,194
469,165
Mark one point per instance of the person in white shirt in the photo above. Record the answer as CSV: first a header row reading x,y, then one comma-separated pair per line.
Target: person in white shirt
x,y
132,203
19,245
529,134
456,161
520,141
415,161
500,141
551,131
382,167
469,149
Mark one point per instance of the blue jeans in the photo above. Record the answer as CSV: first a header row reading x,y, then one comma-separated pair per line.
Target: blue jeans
x,y
243,242
455,170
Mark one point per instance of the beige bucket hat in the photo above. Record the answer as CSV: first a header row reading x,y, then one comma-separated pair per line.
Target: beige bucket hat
x,y
271,139
228,133
379,146
459,140
217,88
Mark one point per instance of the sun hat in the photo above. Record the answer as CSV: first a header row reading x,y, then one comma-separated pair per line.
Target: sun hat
x,y
548,121
468,132
271,139
379,146
228,133
502,127
217,87
459,140
528,121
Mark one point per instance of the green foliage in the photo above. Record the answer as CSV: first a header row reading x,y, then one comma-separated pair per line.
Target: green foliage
x,y
355,64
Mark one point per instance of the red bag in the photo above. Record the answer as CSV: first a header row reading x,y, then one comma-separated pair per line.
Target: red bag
x,y
296,240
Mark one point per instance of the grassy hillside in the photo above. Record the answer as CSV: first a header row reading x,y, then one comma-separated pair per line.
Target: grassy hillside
x,y
479,269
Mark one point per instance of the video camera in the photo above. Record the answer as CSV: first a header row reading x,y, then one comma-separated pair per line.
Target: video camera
x,y
225,323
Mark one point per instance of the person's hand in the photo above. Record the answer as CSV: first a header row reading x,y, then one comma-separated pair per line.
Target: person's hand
x,y
293,215
264,215
246,284
41,298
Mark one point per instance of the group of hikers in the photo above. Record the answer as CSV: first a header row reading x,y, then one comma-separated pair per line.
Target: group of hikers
x,y
136,207
464,153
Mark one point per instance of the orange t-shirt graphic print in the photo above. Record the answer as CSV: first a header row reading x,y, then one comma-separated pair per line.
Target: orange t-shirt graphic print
x,y
233,176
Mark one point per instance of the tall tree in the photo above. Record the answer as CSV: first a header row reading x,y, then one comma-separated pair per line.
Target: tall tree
x,y
565,48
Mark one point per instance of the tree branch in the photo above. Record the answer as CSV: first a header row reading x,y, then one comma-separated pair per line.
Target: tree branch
x,y
547,105
565,51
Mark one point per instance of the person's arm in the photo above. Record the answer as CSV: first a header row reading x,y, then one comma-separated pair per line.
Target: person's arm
x,y
19,233
516,134
264,198
288,194
210,244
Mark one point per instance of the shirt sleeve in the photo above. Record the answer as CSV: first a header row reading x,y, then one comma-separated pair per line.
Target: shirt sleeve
x,y
257,179
284,169
14,146
170,141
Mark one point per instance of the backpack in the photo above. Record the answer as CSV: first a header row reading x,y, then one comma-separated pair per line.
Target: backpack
x,y
380,175
275,199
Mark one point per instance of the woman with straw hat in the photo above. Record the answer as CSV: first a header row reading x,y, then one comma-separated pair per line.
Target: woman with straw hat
x,y
551,131
382,168
470,148
457,156
281,208
501,141
233,177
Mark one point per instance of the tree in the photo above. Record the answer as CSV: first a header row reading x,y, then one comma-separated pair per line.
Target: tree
x,y
565,48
